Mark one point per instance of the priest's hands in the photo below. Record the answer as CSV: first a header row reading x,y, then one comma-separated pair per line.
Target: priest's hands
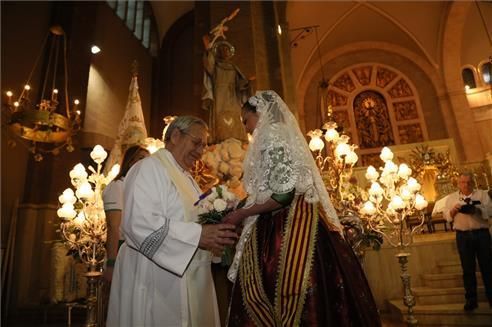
x,y
215,238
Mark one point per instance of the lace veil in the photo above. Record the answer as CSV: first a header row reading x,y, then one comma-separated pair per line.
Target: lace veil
x,y
279,159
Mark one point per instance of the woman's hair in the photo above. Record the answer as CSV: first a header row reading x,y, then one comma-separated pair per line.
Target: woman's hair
x,y
183,123
129,159
249,107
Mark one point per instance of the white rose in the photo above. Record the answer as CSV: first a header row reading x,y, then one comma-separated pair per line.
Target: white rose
x,y
228,196
213,195
220,205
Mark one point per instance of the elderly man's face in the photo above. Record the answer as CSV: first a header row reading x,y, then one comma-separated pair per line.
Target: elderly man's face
x,y
465,184
191,145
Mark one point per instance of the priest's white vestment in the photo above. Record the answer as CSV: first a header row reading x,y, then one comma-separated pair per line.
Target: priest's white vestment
x,y
161,278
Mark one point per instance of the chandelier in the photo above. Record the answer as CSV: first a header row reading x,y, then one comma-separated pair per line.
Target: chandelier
x,y
45,126
83,225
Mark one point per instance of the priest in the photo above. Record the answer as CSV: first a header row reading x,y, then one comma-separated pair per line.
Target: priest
x,y
162,274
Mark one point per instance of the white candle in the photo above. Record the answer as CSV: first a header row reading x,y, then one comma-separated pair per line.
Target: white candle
x,y
371,173
405,193
376,189
368,208
404,171
351,158
54,95
342,150
78,172
396,203
386,154
331,135
66,211
84,191
98,154
316,144
420,202
390,167
413,185
9,97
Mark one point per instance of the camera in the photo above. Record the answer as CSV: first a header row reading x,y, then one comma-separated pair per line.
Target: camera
x,y
469,208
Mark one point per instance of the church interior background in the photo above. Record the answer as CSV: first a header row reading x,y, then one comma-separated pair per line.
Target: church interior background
x,y
414,76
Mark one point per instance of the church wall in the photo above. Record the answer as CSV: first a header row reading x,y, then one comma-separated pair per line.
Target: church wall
x,y
174,78
17,61
475,47
455,35
110,75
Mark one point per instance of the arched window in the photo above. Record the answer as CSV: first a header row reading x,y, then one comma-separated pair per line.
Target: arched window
x,y
468,78
139,18
486,73
376,105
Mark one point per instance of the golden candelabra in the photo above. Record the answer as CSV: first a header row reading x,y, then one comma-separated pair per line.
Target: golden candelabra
x,y
42,126
393,201
336,166
83,226
335,159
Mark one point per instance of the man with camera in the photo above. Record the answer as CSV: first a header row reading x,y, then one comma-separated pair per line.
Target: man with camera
x,y
468,210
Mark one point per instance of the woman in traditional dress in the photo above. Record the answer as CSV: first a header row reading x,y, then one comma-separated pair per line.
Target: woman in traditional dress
x,y
292,266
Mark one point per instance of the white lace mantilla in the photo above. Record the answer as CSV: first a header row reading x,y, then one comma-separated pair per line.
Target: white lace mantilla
x,y
278,161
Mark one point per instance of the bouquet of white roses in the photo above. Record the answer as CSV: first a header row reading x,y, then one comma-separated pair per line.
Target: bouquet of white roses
x,y
212,207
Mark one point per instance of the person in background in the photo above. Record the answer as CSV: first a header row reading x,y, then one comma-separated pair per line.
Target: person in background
x,y
113,206
162,274
292,265
468,210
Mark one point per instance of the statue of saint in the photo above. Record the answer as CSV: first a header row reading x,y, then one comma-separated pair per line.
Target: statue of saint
x,y
225,88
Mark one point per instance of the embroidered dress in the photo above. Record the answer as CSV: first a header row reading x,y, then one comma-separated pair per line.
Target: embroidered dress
x,y
161,278
292,267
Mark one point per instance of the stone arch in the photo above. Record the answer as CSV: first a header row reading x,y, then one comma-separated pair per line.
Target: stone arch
x,y
418,69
